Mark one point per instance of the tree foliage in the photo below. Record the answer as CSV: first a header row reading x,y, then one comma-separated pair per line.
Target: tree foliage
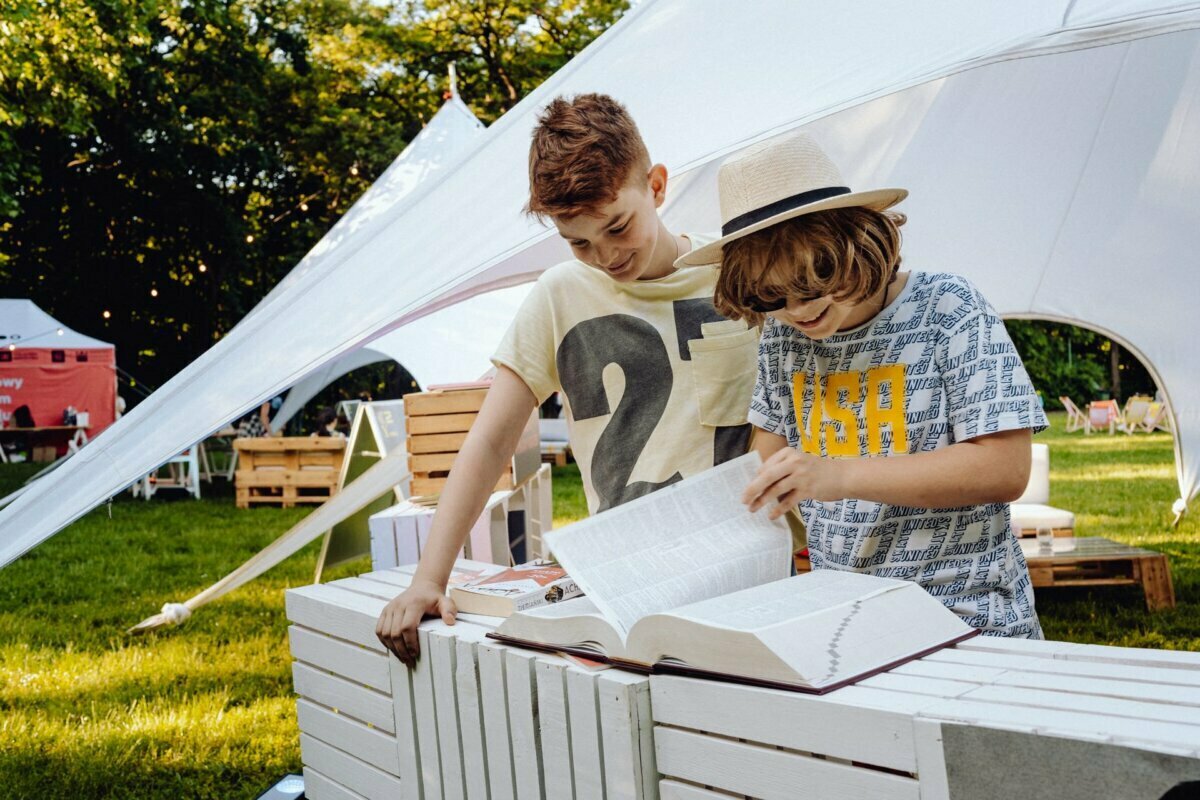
x,y
167,161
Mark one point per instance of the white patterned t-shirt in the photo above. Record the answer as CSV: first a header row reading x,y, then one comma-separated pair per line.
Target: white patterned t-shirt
x,y
933,368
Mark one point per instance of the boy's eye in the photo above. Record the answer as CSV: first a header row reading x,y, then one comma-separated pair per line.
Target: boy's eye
x,y
618,231
578,243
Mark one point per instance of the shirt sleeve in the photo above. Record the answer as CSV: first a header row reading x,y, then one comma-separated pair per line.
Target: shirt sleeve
x,y
766,409
528,346
986,385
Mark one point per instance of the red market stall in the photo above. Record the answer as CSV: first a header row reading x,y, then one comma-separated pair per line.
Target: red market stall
x,y
46,369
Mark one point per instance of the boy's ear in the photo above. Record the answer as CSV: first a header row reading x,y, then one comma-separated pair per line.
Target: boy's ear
x,y
658,184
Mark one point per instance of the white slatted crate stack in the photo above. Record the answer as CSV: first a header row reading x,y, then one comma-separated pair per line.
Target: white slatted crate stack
x,y
475,719
988,718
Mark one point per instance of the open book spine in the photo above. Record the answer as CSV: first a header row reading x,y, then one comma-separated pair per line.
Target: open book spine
x,y
675,668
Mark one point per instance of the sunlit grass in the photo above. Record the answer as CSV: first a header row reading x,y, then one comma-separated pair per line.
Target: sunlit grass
x,y
206,710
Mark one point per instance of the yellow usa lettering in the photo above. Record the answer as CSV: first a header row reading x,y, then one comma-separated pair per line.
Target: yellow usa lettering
x,y
844,403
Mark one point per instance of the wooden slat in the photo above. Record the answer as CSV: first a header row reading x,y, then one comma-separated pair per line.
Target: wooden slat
x,y
343,768
267,444
931,760
1072,651
554,726
337,730
336,612
440,423
407,742
304,478
1091,669
587,746
442,657
352,699
436,443
452,402
770,773
351,661
627,731
318,786
675,790
470,720
425,711
493,690
834,725
524,723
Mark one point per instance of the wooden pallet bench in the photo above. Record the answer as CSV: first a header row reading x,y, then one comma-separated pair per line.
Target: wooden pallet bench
x,y
1096,561
480,719
474,719
987,718
287,470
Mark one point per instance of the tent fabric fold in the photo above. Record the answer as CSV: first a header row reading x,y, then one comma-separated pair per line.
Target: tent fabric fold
x,y
1045,145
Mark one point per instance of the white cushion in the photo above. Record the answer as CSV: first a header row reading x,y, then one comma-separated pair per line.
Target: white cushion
x,y
1038,488
1031,516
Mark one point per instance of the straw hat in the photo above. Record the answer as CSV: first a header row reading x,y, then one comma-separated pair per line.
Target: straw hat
x,y
777,180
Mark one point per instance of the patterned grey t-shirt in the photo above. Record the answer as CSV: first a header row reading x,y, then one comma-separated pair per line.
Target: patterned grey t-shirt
x,y
935,367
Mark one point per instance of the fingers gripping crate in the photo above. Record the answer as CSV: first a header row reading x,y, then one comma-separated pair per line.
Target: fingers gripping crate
x,y
287,470
437,425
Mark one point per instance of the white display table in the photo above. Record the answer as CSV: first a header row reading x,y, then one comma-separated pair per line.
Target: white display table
x,y
477,719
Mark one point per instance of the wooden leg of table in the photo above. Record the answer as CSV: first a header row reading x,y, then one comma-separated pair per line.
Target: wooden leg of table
x,y
1156,583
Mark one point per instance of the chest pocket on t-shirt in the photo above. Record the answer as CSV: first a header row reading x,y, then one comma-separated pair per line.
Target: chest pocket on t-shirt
x,y
724,366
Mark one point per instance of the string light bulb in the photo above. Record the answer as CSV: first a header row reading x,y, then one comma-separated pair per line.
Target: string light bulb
x,y
354,170
60,331
249,238
154,292
107,313
304,206
202,267
12,347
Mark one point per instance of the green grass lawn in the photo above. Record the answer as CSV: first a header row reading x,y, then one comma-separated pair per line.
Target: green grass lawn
x,y
206,710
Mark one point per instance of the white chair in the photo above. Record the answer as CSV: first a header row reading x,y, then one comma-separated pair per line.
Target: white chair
x,y
1076,419
1031,510
181,472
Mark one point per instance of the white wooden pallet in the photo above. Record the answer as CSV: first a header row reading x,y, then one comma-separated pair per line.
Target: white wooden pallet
x,y
474,719
478,719
1059,719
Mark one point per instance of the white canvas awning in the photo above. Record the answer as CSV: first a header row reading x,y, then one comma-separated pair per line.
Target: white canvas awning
x,y
1080,203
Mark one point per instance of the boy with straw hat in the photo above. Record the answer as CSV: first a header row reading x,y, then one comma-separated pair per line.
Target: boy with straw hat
x,y
891,406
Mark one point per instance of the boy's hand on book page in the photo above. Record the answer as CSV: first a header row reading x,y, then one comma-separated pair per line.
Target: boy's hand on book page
x,y
397,625
789,476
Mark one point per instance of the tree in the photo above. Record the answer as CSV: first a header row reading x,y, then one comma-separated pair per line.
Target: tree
x,y
164,163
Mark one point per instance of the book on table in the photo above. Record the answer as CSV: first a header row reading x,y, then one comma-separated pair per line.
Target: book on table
x,y
687,581
518,588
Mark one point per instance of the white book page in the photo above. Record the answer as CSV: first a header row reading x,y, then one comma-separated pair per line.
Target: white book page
x,y
685,542
787,600
575,607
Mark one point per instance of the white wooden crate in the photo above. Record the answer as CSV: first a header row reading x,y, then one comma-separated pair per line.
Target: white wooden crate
x,y
399,533
474,719
1052,719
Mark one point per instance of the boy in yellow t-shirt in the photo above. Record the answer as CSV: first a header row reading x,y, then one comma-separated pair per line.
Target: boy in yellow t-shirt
x,y
655,382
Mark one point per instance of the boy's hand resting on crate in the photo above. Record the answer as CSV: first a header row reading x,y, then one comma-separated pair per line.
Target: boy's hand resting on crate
x,y
397,625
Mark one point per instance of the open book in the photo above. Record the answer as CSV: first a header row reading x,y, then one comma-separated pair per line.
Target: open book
x,y
687,580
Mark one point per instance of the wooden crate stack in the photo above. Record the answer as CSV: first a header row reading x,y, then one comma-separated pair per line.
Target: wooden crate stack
x,y
475,718
437,424
287,470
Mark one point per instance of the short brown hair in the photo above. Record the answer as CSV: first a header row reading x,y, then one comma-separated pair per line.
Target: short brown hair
x,y
583,151
849,253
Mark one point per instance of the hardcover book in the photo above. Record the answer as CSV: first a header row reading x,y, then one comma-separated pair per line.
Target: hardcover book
x,y
518,588
686,580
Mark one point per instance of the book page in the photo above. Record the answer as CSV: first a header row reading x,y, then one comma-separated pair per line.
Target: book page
x,y
785,601
685,542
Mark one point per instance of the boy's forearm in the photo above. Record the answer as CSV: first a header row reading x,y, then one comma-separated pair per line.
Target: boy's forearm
x,y
990,469
488,448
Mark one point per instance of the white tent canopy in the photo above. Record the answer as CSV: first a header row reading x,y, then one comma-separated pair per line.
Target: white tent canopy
x,y
1080,203
23,324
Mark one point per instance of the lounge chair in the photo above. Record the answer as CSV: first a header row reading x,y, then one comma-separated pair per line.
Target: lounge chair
x,y
1134,412
1076,419
1156,418
1103,414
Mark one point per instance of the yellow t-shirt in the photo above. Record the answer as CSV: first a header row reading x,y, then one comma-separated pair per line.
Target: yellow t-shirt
x,y
656,384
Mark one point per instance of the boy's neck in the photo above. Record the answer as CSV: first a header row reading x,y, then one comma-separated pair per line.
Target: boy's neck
x,y
666,250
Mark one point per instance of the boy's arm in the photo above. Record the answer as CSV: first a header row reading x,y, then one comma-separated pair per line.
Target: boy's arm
x,y
993,468
477,467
